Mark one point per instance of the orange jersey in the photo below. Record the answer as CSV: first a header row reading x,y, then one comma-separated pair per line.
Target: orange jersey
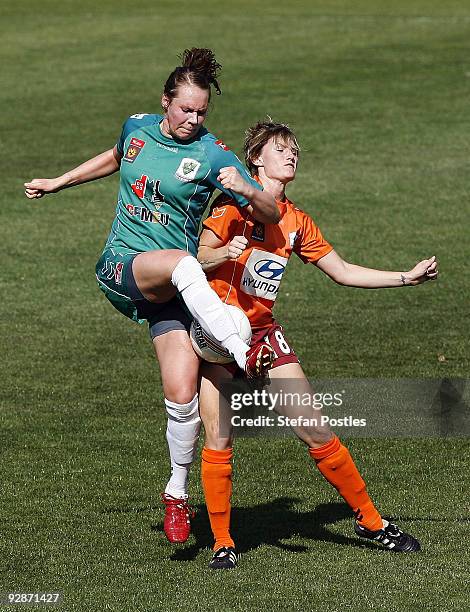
x,y
252,281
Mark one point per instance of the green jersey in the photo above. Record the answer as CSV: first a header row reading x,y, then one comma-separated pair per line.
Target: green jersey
x,y
165,186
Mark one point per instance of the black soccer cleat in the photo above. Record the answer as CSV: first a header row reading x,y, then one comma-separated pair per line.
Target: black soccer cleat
x,y
391,537
224,558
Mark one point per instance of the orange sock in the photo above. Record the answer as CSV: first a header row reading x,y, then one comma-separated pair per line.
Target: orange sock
x,y
337,466
216,473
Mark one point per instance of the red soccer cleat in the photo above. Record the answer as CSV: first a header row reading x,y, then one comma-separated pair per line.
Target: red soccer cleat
x,y
259,359
178,515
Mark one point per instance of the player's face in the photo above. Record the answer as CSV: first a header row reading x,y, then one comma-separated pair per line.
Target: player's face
x,y
279,159
186,112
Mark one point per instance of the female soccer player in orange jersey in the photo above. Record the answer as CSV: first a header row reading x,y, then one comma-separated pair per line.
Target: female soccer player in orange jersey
x,y
244,261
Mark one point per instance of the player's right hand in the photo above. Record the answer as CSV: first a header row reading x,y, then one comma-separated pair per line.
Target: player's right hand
x,y
230,178
236,246
39,187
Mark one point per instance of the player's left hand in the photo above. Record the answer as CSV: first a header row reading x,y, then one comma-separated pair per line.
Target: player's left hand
x,y
231,179
423,271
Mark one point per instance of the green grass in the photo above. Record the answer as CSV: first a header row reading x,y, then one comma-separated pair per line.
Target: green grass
x,y
378,94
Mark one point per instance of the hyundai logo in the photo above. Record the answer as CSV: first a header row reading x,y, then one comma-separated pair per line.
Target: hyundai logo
x,y
267,268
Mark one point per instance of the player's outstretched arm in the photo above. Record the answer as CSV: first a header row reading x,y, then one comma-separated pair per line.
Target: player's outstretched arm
x,y
352,275
100,166
262,205
213,252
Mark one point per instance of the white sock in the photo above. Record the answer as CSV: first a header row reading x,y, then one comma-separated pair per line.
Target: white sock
x,y
182,435
205,306
236,347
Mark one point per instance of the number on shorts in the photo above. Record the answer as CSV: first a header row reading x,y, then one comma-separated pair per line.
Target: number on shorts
x,y
281,342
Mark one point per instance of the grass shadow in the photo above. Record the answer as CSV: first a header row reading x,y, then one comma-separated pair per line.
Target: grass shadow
x,y
271,524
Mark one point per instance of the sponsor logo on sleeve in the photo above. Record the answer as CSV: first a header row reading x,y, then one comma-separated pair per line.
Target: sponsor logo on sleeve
x,y
262,274
187,169
138,143
133,150
222,145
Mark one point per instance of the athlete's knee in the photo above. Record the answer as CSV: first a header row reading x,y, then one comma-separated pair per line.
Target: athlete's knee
x,y
183,412
157,267
186,272
182,394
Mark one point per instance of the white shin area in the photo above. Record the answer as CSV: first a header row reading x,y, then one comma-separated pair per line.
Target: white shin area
x,y
182,435
205,305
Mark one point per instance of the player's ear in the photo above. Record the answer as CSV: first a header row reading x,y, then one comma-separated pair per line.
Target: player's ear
x,y
165,102
258,161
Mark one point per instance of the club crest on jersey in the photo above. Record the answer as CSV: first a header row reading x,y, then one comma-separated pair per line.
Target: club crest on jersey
x,y
258,231
187,169
218,211
133,150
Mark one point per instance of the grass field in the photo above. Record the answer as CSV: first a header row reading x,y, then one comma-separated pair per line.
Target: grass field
x,y
378,94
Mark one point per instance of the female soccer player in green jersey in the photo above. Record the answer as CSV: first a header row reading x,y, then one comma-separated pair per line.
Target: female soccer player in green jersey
x,y
169,167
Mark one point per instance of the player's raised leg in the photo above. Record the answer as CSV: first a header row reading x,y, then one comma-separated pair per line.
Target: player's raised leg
x,y
157,272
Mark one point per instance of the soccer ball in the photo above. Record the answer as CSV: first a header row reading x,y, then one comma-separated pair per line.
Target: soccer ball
x,y
210,349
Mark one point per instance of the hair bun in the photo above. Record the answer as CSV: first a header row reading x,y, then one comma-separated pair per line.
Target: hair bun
x,y
202,61
198,67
